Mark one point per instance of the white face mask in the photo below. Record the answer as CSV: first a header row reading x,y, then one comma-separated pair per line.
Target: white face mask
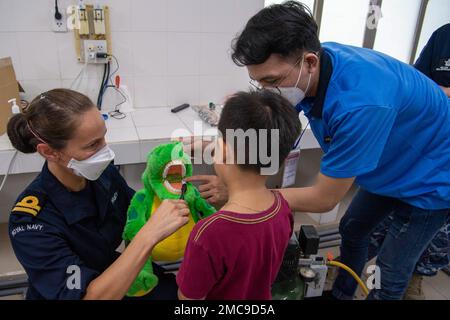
x,y
92,167
293,94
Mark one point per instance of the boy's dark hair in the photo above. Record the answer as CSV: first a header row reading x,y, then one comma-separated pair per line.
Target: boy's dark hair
x,y
261,110
287,29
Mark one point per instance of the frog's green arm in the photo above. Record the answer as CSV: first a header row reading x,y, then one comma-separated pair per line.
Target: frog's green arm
x,y
138,212
201,205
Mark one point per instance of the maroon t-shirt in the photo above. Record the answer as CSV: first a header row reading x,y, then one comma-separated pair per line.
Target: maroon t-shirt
x,y
236,256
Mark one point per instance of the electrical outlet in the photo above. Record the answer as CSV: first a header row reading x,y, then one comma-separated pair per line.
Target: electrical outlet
x,y
58,25
92,49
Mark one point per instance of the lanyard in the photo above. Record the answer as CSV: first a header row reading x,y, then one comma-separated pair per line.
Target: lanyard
x,y
300,137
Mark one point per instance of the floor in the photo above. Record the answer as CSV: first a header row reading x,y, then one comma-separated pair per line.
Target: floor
x,y
435,288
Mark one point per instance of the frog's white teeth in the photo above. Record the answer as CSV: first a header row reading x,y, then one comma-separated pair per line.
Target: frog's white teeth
x,y
174,163
171,188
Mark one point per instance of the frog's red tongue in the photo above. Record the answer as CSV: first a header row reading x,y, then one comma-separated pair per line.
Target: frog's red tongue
x,y
174,176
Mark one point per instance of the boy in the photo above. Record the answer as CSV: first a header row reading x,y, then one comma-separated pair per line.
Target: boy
x,y
236,253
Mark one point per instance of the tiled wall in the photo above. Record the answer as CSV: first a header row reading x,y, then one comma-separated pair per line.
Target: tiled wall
x,y
170,51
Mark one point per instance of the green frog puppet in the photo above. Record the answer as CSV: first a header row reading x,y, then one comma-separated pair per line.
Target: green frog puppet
x,y
163,178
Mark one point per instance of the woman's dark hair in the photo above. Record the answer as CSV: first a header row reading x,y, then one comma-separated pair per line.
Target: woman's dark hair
x,y
52,116
287,29
261,110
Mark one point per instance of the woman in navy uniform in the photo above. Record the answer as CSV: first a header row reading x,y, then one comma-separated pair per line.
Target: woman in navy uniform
x,y
67,224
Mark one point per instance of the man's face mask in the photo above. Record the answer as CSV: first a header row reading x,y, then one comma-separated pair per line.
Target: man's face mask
x,y
92,167
293,94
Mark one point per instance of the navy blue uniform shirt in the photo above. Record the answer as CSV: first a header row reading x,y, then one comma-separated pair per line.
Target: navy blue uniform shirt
x,y
66,239
434,60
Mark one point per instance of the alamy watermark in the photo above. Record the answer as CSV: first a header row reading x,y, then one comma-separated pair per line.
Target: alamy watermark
x,y
252,146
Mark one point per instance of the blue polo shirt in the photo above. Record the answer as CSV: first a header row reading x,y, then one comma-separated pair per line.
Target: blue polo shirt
x,y
57,235
383,122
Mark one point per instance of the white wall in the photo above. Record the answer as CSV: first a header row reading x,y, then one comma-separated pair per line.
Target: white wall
x,y
170,51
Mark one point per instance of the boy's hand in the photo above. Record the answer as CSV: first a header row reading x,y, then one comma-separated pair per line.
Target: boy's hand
x,y
212,189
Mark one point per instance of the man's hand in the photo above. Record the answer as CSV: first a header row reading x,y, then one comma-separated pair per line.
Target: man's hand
x,y
446,90
211,189
195,145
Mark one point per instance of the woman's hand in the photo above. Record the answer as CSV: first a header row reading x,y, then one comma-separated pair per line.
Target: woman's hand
x,y
114,282
168,218
212,189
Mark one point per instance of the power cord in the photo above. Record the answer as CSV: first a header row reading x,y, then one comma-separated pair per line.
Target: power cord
x,y
8,170
82,72
107,82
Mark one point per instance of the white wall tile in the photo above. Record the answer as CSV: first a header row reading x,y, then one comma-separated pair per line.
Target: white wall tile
x,y
122,49
25,15
170,52
39,56
215,54
35,87
69,65
119,14
150,92
183,53
148,15
217,15
7,12
183,15
150,53
9,48
183,89
244,10
88,86
217,88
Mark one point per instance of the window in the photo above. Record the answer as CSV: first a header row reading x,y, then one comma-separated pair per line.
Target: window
x,y
344,21
436,15
395,33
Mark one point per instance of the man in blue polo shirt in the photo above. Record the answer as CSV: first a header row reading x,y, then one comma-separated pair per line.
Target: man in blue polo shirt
x,y
434,62
381,124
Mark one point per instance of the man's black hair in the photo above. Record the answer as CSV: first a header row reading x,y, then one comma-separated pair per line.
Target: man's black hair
x,y
261,110
287,29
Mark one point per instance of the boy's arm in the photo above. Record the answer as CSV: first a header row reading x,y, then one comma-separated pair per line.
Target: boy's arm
x,y
181,296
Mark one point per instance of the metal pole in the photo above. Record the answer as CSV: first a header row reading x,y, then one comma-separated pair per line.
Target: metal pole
x,y
317,13
330,244
418,30
330,238
371,31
